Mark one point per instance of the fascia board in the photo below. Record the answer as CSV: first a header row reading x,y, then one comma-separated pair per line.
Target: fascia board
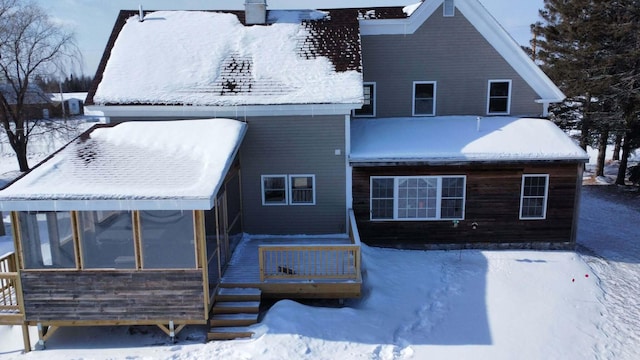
x,y
222,111
400,26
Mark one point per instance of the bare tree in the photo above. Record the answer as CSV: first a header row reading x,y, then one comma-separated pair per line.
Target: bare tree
x,y
31,46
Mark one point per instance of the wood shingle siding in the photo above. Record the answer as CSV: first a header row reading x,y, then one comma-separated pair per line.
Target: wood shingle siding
x,y
492,202
113,295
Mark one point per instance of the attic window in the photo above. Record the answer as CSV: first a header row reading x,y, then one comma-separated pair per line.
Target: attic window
x,y
448,8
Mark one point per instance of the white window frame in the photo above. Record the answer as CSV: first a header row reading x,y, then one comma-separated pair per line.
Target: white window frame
x,y
373,100
508,96
435,95
439,198
286,192
313,189
545,201
448,8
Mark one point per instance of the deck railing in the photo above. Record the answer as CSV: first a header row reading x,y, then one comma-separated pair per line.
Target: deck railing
x,y
8,283
312,262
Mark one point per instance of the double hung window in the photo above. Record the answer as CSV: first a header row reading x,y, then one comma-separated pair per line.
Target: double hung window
x,y
533,198
424,98
369,105
288,190
499,97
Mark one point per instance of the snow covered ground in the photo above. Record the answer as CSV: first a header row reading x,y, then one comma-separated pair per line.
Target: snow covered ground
x,y
432,304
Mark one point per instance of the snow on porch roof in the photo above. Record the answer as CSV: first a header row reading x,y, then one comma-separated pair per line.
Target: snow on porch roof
x,y
211,59
455,139
154,165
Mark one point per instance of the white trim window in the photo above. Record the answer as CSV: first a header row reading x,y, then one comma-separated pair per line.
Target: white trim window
x,y
417,197
369,106
302,189
533,197
448,8
288,190
424,98
274,190
499,97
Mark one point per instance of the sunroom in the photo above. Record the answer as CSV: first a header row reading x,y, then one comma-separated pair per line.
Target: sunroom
x,y
129,224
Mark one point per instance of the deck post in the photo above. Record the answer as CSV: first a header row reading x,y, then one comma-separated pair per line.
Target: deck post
x,y
25,338
261,263
41,333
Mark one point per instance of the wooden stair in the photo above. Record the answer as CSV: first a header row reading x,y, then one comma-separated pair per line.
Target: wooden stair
x,y
234,311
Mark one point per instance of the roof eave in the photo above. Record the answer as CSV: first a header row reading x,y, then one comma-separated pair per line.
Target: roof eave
x,y
239,111
461,161
105,204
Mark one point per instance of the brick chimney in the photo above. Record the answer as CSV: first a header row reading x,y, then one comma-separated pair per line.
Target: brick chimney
x,y
255,12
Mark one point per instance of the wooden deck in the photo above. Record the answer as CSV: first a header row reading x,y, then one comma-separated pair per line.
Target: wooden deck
x,y
297,267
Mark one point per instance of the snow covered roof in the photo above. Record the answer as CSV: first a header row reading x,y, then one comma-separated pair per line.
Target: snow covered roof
x,y
486,25
455,139
67,96
33,95
141,165
209,58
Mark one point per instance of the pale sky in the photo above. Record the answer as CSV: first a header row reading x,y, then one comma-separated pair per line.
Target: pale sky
x,y
92,20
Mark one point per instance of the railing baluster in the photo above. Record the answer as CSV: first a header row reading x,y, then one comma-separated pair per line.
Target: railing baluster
x,y
309,262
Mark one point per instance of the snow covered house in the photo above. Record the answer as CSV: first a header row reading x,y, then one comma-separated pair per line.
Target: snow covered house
x,y
68,104
409,127
36,104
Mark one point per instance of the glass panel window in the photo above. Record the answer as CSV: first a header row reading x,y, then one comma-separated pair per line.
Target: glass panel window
x,y
302,189
453,192
499,97
382,198
369,104
424,98
46,239
274,190
168,239
418,198
533,201
106,238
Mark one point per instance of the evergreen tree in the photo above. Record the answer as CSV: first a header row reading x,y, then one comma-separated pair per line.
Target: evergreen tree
x,y
590,48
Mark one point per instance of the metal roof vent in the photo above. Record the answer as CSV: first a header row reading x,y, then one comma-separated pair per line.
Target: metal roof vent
x,y
255,12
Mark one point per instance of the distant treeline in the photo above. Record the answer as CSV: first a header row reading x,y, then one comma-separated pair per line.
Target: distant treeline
x,y
70,84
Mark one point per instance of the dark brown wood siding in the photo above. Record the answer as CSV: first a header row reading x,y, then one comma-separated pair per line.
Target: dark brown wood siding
x,y
113,295
492,202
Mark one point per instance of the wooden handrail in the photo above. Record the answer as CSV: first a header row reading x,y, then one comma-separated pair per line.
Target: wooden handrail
x,y
9,301
309,262
8,263
312,262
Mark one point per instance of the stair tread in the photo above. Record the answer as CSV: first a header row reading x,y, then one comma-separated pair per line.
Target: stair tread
x,y
231,329
239,291
239,316
239,304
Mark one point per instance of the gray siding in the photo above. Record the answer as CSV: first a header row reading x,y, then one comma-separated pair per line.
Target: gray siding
x,y
448,50
295,145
